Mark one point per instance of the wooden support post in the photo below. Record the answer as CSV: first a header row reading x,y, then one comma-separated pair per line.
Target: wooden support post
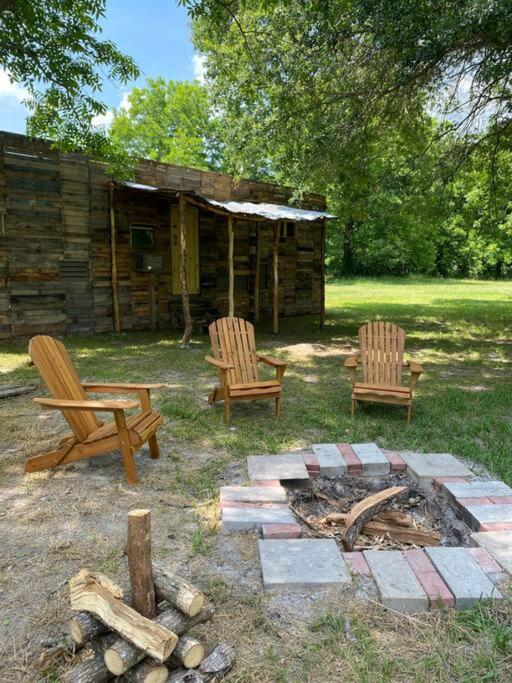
x,y
231,266
152,301
187,318
275,278
138,550
322,276
257,269
113,259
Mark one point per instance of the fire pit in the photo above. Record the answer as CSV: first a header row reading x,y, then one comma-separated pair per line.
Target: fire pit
x,y
413,518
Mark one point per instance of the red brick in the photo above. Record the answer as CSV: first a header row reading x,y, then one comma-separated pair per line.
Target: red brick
x,y
437,591
419,561
505,500
281,531
311,462
354,465
265,482
357,563
439,481
464,502
252,506
396,462
496,526
487,563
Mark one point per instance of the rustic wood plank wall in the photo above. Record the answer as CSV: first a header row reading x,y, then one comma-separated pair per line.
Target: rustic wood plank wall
x,y
55,262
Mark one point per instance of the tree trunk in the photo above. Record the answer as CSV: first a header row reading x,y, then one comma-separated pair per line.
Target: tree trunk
x,y
187,318
348,247
275,279
88,593
123,655
147,671
177,592
138,550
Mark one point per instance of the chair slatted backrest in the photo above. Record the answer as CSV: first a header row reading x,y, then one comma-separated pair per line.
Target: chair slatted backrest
x,y
233,342
55,367
382,353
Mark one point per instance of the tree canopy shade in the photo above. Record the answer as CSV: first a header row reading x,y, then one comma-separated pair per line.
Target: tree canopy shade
x,y
52,48
167,121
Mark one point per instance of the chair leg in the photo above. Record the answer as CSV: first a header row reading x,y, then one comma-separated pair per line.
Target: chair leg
x,y
353,407
409,414
126,447
227,410
154,449
278,406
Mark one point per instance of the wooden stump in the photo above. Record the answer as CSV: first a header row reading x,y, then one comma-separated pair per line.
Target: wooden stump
x,y
138,550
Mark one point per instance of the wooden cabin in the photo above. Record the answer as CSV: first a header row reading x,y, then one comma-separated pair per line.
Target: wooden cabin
x,y
81,253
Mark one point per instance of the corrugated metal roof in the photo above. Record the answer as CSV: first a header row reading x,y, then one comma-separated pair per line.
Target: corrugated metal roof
x,y
139,186
273,212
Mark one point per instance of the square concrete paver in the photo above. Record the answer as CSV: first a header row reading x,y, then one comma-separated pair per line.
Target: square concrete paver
x,y
283,467
242,519
488,514
372,459
477,489
253,494
461,573
398,586
498,544
302,563
423,467
330,459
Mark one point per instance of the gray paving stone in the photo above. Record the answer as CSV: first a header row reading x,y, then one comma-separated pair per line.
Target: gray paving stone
x,y
477,489
487,514
373,460
398,586
423,467
498,544
462,575
241,519
254,494
330,459
284,467
302,563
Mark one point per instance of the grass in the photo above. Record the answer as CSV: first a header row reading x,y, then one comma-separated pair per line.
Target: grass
x,y
460,331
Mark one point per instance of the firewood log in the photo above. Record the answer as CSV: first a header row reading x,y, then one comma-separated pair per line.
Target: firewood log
x,y
147,671
218,662
186,676
188,651
123,655
92,669
88,592
138,551
401,534
177,592
83,627
367,508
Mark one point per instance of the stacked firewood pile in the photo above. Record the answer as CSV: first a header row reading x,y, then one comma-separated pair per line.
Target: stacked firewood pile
x,y
147,641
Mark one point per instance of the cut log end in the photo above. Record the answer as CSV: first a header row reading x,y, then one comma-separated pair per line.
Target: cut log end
x,y
189,651
114,662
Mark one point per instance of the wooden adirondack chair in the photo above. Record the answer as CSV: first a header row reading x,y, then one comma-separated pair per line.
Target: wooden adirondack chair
x,y
90,436
381,356
235,357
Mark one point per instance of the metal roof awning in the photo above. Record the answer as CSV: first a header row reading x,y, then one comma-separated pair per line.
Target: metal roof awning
x,y
272,212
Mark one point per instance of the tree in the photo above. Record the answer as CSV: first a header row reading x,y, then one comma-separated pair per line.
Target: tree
x,y
168,121
52,48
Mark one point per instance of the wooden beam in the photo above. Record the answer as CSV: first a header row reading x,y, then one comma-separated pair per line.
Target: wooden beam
x,y
231,266
187,318
275,278
113,259
322,276
257,269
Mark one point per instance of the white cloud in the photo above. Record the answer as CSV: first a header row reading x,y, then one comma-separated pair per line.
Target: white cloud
x,y
11,90
105,120
199,64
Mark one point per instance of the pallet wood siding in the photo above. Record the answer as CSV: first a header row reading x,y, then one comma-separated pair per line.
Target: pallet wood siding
x,y
55,252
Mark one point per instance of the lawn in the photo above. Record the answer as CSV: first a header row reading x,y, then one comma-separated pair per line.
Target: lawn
x,y
458,330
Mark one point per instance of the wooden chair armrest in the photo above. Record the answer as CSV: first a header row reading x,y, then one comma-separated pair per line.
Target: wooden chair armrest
x,y
108,388
351,362
65,404
274,362
415,367
218,363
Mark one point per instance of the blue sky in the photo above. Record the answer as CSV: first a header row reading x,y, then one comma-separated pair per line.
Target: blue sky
x,y
154,33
